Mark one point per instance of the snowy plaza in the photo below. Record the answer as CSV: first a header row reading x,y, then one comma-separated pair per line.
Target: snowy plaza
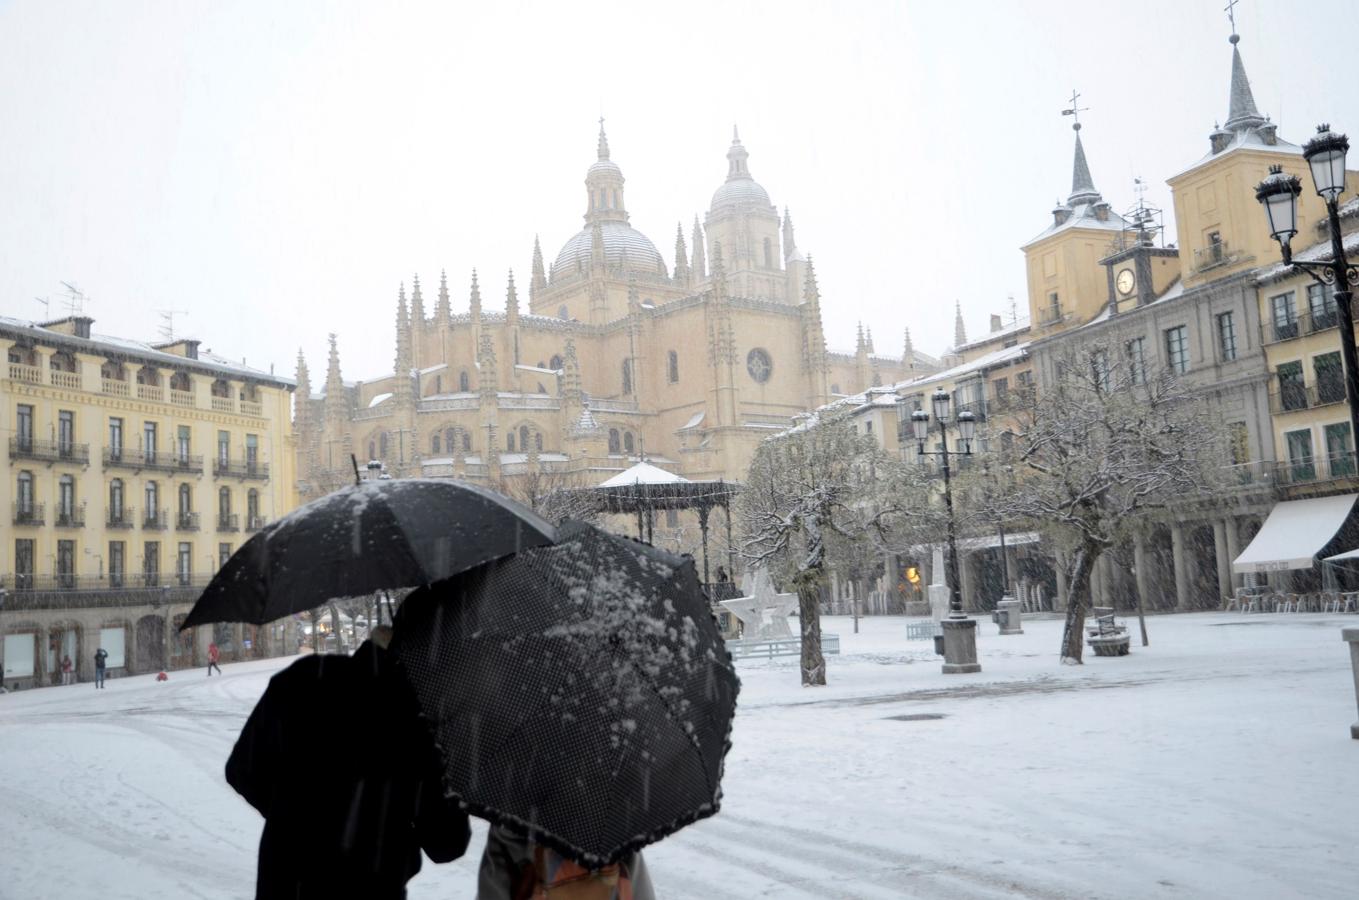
x,y
1215,763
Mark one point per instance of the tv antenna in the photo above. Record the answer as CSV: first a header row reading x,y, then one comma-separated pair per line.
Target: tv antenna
x,y
75,299
46,307
167,330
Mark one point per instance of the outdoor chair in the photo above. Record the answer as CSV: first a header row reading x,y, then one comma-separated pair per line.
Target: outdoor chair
x,y
1228,603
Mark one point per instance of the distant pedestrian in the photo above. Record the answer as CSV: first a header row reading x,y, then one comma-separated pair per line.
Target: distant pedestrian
x,y
722,575
101,657
213,655
67,669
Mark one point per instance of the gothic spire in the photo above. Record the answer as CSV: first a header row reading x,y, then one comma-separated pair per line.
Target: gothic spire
x,y
908,354
302,396
417,304
335,403
959,332
442,310
403,364
539,282
699,263
789,245
603,146
681,256
511,302
868,340
1082,185
859,346
1241,111
474,302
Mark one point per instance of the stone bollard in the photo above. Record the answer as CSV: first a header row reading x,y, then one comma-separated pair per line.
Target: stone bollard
x,y
1351,636
1008,616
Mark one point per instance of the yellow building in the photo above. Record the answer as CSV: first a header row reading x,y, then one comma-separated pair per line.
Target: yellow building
x,y
133,471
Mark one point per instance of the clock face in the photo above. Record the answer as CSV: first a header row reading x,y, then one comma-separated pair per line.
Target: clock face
x,y
1125,281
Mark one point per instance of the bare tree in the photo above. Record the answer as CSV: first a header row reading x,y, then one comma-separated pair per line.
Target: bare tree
x,y
1096,450
555,494
803,485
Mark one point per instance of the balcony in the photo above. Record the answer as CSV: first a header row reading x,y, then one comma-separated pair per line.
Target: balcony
x,y
152,461
71,591
1215,255
152,392
1051,315
49,451
1306,322
114,388
121,518
252,408
228,522
223,404
255,523
68,380
26,374
181,398
69,517
1316,469
28,514
240,468
1296,397
186,521
155,520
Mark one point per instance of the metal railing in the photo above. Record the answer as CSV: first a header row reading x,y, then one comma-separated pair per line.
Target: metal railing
x,y
1050,314
30,591
186,521
228,522
155,520
121,518
1294,397
1272,331
23,447
240,468
28,513
255,523
152,461
1217,253
73,517
1315,469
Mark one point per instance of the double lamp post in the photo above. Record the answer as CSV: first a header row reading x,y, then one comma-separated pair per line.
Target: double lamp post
x,y
960,632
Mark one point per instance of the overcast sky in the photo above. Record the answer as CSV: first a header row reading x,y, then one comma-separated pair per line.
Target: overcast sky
x,y
275,170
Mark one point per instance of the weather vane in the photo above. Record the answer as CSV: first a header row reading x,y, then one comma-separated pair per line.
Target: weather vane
x,y
1075,110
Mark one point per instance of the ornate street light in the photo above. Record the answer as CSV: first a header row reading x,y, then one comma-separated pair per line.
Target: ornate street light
x,y
1278,194
960,632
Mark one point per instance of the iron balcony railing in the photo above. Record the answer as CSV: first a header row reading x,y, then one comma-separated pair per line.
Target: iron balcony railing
x,y
125,517
1217,253
69,517
71,591
228,522
28,513
152,461
1305,322
1292,397
155,520
240,468
255,523
1316,469
186,521
23,447
1051,314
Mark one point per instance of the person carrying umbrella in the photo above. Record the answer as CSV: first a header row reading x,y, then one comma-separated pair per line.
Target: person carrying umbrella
x,y
382,800
101,657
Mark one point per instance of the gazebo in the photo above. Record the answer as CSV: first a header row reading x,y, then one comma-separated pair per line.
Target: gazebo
x,y
644,488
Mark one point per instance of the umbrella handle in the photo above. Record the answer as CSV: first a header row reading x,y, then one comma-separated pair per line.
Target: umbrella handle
x,y
354,461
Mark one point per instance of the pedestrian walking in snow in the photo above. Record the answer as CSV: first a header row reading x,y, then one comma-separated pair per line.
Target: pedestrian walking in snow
x,y
67,669
515,868
100,658
213,655
383,799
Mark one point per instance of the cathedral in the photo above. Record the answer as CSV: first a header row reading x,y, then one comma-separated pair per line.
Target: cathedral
x,y
618,356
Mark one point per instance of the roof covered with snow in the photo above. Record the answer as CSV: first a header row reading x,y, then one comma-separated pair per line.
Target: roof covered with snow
x,y
643,473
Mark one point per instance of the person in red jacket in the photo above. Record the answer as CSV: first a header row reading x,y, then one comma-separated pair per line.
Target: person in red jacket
x,y
213,655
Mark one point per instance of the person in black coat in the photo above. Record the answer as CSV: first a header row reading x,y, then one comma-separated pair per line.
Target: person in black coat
x,y
347,807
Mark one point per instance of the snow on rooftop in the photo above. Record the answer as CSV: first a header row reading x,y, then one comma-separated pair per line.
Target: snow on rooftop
x,y
643,473
995,358
1318,252
694,421
377,399
429,369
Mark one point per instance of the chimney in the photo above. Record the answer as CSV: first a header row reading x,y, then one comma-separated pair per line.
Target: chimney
x,y
995,323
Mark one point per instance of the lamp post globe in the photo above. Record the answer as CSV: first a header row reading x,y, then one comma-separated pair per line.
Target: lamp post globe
x,y
939,401
920,423
1325,153
967,428
1278,194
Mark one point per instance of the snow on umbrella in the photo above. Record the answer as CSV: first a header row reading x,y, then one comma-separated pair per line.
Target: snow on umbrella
x,y
380,535
578,692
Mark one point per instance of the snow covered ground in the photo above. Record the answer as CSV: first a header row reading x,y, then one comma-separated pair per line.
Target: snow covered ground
x,y
1215,763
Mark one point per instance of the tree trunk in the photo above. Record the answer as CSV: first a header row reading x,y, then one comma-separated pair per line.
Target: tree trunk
x,y
1077,599
335,627
858,590
809,615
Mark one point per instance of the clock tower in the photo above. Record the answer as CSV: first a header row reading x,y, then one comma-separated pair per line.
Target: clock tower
x,y
1138,271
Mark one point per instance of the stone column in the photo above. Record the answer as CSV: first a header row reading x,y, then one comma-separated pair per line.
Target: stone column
x,y
238,640
289,636
1233,534
1181,566
130,646
1140,564
1224,571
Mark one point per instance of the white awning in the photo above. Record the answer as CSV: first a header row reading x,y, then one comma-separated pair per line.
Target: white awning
x,y
1297,532
643,473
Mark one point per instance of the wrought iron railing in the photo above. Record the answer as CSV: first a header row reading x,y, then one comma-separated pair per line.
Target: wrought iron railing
x,y
240,468
28,513
23,447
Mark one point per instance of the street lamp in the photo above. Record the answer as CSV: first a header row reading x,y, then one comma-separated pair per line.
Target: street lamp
x,y
1278,194
960,632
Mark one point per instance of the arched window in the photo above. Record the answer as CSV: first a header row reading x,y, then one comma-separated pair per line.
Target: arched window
x,y
116,500
152,500
148,375
538,441
25,498
601,198
113,371
523,437
449,436
65,498
509,442
185,499
627,376
61,361
466,441
614,446
224,503
462,382
614,196
628,445
180,381
434,442
673,367
252,508
555,364
382,445
768,254
220,388
372,450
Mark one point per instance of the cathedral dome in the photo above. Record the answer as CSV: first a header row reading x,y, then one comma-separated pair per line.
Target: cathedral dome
x,y
740,190
623,246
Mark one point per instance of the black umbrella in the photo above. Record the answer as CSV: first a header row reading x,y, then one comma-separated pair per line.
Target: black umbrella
x,y
379,535
578,692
